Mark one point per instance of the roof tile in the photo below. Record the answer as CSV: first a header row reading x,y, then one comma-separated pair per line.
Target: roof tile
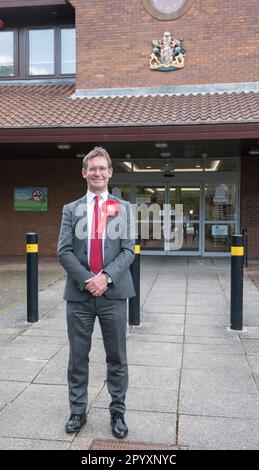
x,y
47,106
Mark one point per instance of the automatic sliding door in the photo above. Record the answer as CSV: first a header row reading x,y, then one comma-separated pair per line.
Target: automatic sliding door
x,y
150,200
220,216
189,197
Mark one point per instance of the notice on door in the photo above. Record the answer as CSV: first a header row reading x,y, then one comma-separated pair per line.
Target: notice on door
x,y
219,230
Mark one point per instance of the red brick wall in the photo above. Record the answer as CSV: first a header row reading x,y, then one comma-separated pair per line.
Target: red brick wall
x,y
249,202
114,43
65,184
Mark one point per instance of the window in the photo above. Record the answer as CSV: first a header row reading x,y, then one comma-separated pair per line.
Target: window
x,y
42,52
68,50
6,54
167,9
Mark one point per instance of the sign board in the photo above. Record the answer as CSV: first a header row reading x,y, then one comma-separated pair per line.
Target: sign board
x,y
31,198
219,230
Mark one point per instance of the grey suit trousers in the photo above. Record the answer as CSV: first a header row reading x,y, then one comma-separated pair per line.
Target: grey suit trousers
x,y
112,316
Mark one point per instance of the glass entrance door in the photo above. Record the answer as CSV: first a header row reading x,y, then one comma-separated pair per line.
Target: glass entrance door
x,y
190,198
154,197
150,221
220,216
210,215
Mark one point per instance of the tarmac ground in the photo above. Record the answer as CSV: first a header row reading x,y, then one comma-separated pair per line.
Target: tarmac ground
x,y
193,381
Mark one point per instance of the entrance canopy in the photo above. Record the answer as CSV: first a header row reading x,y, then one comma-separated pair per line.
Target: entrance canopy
x,y
30,112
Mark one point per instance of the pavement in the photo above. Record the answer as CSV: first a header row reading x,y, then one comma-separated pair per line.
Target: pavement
x,y
193,381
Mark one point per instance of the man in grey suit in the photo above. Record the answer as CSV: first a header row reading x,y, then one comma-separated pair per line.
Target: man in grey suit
x,y
96,248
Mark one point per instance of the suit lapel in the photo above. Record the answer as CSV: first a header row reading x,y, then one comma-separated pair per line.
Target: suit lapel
x,y
83,213
109,220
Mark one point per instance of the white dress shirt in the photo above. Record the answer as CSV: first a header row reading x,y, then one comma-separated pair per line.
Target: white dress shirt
x,y
90,210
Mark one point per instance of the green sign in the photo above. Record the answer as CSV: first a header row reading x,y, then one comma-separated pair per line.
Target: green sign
x,y
29,198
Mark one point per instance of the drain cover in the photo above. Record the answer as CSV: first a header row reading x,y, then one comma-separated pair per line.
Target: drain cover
x,y
101,444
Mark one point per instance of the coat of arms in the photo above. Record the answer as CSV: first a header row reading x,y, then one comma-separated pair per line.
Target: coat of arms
x,y
167,54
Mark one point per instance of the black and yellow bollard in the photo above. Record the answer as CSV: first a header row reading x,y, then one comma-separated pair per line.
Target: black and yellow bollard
x,y
134,302
32,277
236,301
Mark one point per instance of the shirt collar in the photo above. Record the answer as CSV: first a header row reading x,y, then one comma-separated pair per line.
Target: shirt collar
x,y
90,196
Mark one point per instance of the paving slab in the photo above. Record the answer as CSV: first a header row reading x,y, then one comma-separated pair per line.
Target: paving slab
x,y
22,370
39,412
31,348
9,390
160,328
229,347
170,308
208,330
207,309
215,361
206,402
251,346
154,338
163,317
8,443
220,380
153,377
199,432
162,354
203,319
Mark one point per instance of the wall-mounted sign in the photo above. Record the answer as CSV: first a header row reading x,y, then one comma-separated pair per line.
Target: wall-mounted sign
x,y
167,54
219,230
30,198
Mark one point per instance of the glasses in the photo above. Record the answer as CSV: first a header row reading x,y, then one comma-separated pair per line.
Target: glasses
x,y
94,169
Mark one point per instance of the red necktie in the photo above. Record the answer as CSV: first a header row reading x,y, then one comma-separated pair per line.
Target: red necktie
x,y
96,248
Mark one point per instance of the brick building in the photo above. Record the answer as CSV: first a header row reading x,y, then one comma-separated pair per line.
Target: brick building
x,y
86,72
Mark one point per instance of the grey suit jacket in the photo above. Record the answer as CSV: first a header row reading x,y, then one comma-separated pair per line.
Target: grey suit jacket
x,y
118,250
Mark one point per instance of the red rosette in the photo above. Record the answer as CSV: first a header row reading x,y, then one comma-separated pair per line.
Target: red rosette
x,y
110,208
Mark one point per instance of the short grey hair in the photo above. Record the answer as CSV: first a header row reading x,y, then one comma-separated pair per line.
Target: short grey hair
x,y
97,152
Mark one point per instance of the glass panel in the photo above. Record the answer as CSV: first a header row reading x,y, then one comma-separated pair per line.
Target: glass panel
x,y
168,6
68,51
220,201
150,223
225,164
41,52
218,237
122,191
122,167
6,54
190,198
167,165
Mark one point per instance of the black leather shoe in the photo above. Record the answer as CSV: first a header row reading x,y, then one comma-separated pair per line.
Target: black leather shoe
x,y
75,422
119,427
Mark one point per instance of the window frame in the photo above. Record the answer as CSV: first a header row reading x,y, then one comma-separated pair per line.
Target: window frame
x,y
21,53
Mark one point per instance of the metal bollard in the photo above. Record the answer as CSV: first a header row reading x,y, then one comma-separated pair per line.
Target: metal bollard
x,y
32,277
236,301
134,302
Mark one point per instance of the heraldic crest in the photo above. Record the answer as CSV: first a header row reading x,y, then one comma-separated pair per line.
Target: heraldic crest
x,y
167,54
